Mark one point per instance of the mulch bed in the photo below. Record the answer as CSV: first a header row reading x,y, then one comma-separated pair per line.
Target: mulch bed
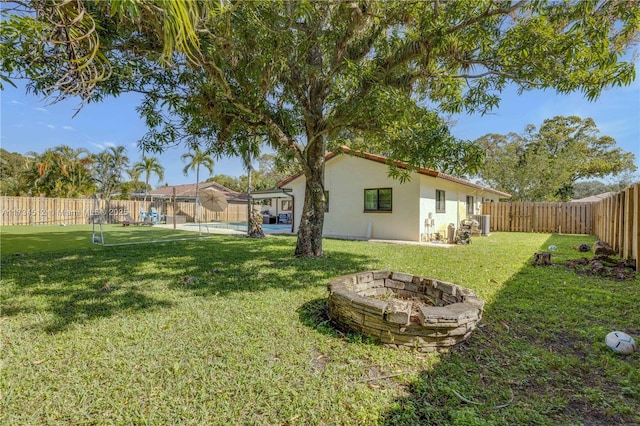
x,y
603,266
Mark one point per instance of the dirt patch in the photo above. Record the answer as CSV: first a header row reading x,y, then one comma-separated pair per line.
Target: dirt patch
x,y
319,360
603,266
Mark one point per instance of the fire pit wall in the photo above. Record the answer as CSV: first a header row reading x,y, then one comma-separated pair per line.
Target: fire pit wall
x,y
378,304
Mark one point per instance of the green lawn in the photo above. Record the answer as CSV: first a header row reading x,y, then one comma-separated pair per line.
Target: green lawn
x,y
227,330
27,239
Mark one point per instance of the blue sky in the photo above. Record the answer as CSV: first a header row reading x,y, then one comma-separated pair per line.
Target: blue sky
x,y
29,123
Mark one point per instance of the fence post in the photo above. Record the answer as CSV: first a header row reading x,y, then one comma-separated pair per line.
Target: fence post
x,y
174,207
636,225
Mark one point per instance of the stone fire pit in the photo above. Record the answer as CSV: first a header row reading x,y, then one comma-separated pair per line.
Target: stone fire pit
x,y
404,311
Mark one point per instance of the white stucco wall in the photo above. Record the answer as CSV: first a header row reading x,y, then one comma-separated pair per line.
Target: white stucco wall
x,y
264,208
428,187
346,178
456,203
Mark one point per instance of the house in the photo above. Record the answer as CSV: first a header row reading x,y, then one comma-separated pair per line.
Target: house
x,y
364,202
594,198
187,193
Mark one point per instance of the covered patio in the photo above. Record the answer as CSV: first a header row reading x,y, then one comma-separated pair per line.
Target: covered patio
x,y
276,206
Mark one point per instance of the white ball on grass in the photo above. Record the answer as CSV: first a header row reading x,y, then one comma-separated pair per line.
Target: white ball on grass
x,y
620,342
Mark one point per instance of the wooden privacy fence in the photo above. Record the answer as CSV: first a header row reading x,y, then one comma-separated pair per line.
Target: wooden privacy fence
x,y
75,211
616,221
568,218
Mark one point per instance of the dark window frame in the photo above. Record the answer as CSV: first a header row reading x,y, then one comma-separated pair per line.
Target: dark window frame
x,y
441,201
286,205
471,205
378,207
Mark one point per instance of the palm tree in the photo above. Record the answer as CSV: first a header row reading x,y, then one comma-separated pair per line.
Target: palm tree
x,y
74,178
148,166
194,160
134,174
110,165
59,172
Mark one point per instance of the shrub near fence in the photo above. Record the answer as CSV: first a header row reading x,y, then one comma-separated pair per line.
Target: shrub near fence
x,y
76,211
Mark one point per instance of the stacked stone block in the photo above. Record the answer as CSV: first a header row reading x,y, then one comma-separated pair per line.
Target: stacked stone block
x,y
357,303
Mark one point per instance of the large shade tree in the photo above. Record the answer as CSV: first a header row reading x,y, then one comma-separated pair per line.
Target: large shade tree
x,y
308,76
543,164
12,168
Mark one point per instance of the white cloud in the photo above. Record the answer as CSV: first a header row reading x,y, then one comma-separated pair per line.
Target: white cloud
x,y
110,144
51,126
617,128
14,102
68,128
97,145
40,109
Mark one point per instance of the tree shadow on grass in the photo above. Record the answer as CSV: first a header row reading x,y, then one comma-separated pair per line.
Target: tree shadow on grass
x,y
84,305
66,285
314,315
539,356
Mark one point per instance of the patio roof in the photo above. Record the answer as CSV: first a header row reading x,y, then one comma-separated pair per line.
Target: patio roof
x,y
271,193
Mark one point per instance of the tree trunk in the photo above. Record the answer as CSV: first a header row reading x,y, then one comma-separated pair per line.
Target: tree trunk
x,y
312,218
542,258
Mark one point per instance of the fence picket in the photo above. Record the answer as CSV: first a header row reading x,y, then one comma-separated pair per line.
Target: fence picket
x,y
75,211
614,220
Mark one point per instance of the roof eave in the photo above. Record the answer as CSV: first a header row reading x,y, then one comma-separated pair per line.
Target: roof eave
x,y
380,159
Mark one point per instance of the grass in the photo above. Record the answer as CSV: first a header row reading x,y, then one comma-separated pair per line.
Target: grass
x,y
231,330
27,239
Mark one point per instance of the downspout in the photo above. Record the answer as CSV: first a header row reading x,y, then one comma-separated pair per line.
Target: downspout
x,y
457,206
293,207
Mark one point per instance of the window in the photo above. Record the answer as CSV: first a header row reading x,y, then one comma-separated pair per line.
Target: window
x,y
440,201
470,206
285,205
326,201
377,200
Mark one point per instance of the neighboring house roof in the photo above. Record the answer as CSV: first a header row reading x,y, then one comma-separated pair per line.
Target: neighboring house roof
x,y
189,191
384,160
594,198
